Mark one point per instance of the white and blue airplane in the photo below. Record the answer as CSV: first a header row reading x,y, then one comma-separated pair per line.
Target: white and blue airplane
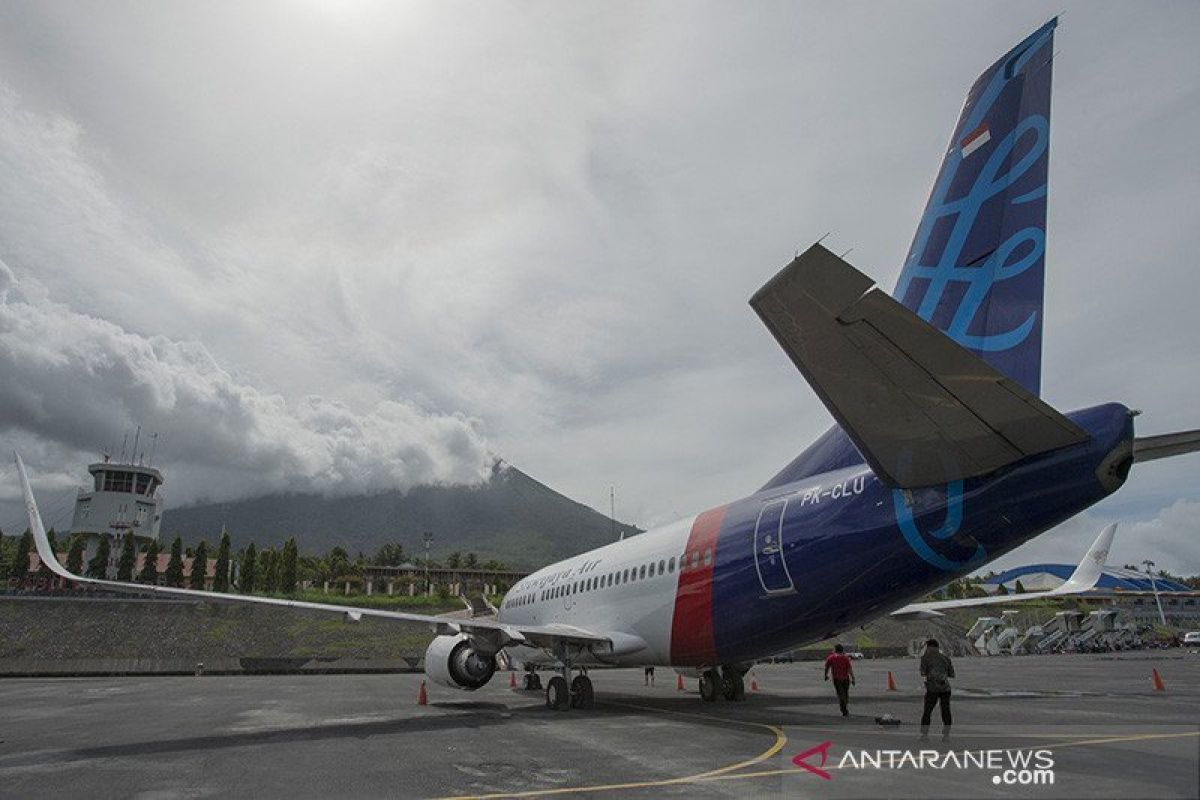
x,y
942,458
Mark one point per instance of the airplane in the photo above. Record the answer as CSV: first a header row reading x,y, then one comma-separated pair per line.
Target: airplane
x,y
942,457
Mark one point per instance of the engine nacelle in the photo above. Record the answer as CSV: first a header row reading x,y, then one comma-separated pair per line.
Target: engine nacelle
x,y
453,662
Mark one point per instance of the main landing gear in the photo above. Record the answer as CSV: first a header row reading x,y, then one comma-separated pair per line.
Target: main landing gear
x,y
580,694
563,691
727,682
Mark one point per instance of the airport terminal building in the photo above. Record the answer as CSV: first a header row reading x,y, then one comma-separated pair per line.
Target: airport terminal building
x,y
1126,589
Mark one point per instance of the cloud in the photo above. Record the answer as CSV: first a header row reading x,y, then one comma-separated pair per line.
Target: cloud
x,y
551,221
1168,536
83,383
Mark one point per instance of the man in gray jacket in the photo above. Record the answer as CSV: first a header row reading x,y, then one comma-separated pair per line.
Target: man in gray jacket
x,y
937,670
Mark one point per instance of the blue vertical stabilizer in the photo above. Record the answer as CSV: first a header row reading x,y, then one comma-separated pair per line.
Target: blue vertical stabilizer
x,y
976,267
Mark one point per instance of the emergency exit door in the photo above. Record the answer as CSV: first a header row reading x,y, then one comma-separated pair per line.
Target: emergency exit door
x,y
768,550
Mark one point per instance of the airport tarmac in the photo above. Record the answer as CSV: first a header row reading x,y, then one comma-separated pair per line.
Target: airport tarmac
x,y
1096,717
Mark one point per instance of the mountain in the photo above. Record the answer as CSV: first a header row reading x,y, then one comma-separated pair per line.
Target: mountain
x,y
511,517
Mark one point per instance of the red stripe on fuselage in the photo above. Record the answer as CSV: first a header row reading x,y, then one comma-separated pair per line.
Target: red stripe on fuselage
x,y
692,641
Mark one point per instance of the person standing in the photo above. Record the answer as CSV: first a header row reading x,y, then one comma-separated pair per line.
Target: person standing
x,y
840,665
937,670
649,676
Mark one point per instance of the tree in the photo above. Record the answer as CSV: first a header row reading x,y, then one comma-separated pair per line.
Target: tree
x,y
75,553
20,562
149,573
174,576
128,559
199,566
3,563
221,578
287,570
268,570
390,555
339,562
472,561
98,566
454,560
1019,588
248,574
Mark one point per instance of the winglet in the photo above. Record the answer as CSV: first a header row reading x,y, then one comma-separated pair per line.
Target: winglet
x,y
1087,574
40,540
1083,579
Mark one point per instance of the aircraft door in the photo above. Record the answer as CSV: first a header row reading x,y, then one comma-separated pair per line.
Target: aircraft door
x,y
768,550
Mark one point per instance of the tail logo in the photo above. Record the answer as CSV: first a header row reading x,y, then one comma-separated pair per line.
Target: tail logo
x,y
950,526
985,222
1011,258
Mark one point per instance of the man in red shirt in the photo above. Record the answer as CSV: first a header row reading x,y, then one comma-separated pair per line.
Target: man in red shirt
x,y
843,676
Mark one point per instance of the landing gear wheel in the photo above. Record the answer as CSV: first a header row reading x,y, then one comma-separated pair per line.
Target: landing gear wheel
x,y
581,692
732,685
709,683
557,696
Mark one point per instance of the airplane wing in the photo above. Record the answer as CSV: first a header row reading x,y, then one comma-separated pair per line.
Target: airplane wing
x,y
921,409
486,633
1083,579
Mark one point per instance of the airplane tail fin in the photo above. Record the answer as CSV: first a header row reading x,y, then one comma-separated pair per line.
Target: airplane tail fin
x,y
976,266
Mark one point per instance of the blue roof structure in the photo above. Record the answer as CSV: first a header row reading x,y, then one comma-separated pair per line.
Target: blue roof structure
x,y
1111,579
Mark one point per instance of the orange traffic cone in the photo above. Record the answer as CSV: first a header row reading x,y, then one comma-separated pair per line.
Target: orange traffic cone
x,y
422,698
679,683
512,680
891,682
753,682
1158,684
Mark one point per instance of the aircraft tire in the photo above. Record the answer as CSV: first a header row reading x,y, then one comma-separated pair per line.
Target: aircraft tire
x,y
582,695
709,686
558,698
732,685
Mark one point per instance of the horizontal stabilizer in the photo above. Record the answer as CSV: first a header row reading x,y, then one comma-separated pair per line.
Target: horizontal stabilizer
x,y
1083,579
1150,448
922,409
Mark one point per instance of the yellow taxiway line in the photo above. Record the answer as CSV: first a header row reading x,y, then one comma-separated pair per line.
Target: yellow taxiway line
x,y
776,746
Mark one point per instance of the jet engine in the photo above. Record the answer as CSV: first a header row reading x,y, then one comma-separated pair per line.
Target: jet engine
x,y
454,662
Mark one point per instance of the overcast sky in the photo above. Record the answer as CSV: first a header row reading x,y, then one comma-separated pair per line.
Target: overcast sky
x,y
344,247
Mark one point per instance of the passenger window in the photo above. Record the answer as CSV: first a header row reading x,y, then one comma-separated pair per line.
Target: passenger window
x,y
671,564
651,569
642,572
625,577
707,556
661,566
695,558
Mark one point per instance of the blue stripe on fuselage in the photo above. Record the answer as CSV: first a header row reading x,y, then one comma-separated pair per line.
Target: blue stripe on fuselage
x,y
851,562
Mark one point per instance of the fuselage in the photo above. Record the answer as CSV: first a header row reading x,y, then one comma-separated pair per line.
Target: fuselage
x,y
800,562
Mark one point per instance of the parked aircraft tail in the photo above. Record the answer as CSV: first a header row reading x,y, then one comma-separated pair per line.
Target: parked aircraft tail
x,y
975,269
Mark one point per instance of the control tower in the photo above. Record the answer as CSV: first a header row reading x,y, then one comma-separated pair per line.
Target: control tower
x,y
123,497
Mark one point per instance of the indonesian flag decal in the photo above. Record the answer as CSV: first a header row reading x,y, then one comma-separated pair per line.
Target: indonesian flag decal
x,y
975,139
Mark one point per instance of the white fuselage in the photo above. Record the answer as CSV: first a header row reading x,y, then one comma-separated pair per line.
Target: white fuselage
x,y
627,587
